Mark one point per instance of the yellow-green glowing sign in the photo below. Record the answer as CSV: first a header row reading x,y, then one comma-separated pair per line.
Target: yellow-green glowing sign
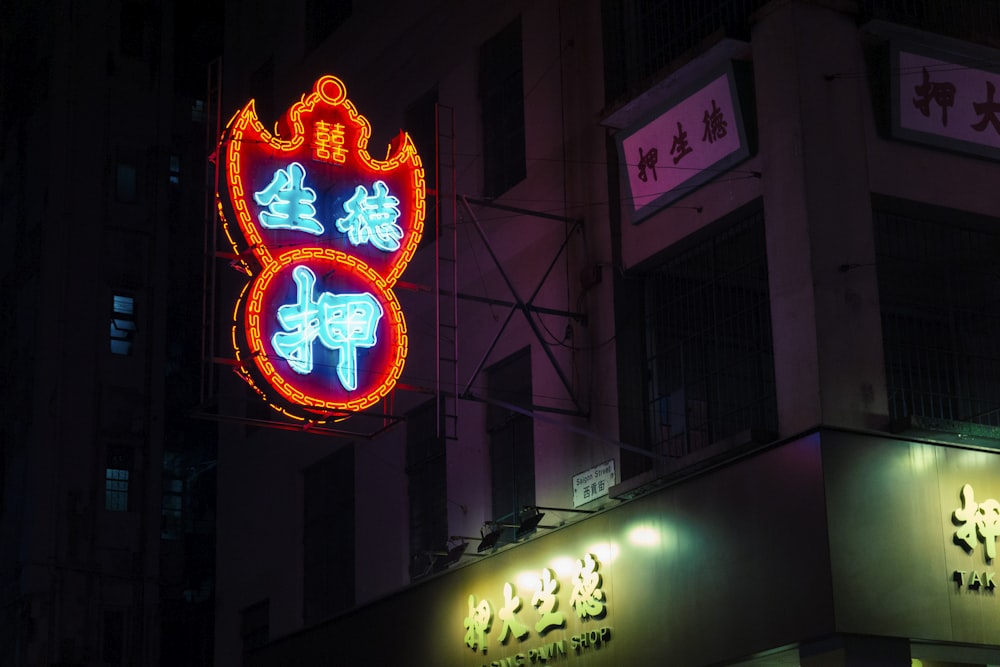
x,y
977,522
586,600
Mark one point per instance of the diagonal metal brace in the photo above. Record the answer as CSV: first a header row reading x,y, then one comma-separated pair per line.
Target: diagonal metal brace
x,y
519,303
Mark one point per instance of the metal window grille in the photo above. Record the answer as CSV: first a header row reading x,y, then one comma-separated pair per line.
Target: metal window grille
x,y
938,287
642,37
117,474
973,20
710,359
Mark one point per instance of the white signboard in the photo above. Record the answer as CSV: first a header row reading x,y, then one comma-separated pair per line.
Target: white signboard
x,y
592,484
946,100
696,138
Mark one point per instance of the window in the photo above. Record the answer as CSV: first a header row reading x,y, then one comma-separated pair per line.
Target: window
x,y
262,91
642,37
132,29
938,286
126,182
122,324
323,17
113,637
420,121
117,475
328,549
175,170
709,356
426,470
255,625
501,91
512,439
172,508
199,114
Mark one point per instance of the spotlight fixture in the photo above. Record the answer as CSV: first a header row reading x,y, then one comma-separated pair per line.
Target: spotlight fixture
x,y
490,534
529,519
446,559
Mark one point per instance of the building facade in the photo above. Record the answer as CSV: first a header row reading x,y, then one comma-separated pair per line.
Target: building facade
x,y
702,366
101,172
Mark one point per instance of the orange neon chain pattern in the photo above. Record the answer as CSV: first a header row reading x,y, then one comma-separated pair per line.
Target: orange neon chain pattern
x,y
322,140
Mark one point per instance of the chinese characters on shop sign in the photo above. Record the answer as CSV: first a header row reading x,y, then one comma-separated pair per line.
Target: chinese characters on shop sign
x,y
691,142
978,522
952,104
511,619
324,231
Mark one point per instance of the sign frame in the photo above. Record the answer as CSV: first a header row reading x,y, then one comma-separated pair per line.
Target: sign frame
x,y
707,172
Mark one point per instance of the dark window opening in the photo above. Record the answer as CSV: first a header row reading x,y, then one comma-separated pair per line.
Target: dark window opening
x,y
938,287
427,472
126,182
132,29
262,92
328,535
255,624
512,439
113,637
709,354
501,91
323,17
420,121
172,509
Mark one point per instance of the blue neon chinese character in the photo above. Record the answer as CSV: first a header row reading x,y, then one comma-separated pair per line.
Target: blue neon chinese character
x,y
289,202
372,218
342,322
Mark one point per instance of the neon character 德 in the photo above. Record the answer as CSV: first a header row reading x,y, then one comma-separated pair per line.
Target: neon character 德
x,y
372,218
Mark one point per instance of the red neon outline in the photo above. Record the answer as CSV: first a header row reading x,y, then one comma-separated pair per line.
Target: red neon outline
x,y
329,94
283,381
245,143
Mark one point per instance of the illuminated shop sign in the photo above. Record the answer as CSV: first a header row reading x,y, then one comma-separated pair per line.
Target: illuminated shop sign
x,y
946,100
323,230
511,620
692,140
978,525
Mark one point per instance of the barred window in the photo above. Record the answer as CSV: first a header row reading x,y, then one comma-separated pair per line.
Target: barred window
x,y
642,37
938,287
709,353
117,475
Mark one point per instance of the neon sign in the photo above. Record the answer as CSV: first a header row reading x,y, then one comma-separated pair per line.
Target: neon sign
x,y
323,231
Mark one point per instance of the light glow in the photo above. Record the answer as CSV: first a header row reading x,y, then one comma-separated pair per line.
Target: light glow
x,y
644,536
606,552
